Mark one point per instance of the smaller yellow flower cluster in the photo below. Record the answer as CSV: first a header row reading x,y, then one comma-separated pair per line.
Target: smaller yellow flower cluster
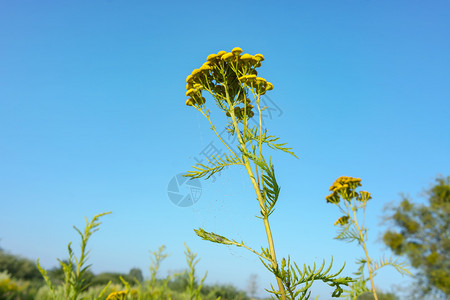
x,y
195,95
343,186
342,221
121,295
364,196
239,112
259,83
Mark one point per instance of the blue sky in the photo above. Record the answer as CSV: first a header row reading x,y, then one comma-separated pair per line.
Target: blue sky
x,y
93,119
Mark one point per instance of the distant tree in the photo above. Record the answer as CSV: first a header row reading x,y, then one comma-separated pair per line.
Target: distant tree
x,y
105,277
225,292
381,296
422,233
179,283
136,273
18,267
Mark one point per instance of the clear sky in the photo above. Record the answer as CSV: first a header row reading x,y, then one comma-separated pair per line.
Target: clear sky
x,y
93,119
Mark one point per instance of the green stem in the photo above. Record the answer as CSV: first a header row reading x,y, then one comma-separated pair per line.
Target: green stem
x,y
367,255
260,198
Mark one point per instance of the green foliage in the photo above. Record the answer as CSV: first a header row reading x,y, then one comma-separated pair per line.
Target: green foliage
x,y
297,281
136,274
9,288
422,234
105,278
223,291
351,230
20,268
381,296
75,269
193,287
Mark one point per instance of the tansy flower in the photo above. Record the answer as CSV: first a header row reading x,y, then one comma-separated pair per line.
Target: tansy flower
x,y
259,57
190,92
227,56
260,80
195,72
190,102
220,53
247,79
333,198
211,57
236,51
246,57
342,220
117,295
269,86
364,196
205,67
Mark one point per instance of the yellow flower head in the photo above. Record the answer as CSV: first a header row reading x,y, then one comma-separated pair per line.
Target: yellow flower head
x,y
333,198
205,67
259,57
364,196
189,79
269,86
211,57
195,72
220,53
260,81
246,57
189,86
117,295
190,102
247,79
236,51
190,92
342,221
227,56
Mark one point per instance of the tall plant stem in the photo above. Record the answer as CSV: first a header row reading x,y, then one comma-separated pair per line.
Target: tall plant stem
x,y
367,255
258,193
266,226
263,208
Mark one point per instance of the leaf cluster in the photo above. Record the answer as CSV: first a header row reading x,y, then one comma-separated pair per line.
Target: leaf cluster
x,y
297,281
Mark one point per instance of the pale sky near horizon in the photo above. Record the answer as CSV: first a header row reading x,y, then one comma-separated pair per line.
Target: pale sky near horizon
x,y
93,119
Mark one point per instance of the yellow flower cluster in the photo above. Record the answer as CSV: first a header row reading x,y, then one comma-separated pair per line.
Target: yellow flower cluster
x,y
343,186
239,112
226,75
342,221
121,295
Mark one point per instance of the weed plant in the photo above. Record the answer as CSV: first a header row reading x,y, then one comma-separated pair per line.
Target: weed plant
x,y
352,229
232,80
75,269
